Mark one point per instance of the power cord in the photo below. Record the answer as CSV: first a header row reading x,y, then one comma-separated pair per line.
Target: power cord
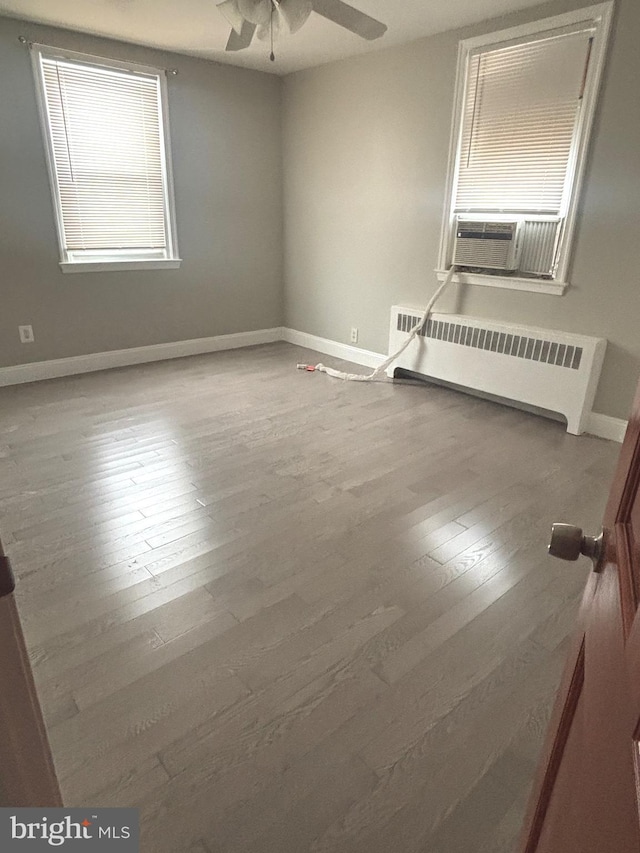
x,y
372,377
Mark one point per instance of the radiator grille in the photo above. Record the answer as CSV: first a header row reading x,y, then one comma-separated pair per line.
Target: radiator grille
x,y
516,346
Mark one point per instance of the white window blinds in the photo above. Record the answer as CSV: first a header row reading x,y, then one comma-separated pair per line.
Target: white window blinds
x,y
106,144
519,121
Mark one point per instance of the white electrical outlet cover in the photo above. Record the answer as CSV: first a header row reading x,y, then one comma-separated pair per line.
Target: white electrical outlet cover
x,y
26,334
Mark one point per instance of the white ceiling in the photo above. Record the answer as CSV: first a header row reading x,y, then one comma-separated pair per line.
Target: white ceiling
x,y
196,27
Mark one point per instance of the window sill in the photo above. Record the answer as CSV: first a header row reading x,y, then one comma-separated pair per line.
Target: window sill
x,y
528,285
115,266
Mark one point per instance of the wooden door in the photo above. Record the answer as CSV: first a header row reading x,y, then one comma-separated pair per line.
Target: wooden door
x,y
27,774
586,794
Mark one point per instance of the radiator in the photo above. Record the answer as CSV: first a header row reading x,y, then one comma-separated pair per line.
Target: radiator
x,y
555,371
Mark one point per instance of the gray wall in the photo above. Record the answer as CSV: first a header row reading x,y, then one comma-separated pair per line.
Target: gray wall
x,y
225,133
365,145
365,151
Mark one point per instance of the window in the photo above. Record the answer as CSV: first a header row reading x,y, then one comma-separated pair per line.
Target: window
x,y
106,135
525,105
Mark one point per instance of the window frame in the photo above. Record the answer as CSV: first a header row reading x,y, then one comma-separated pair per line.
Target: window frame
x,y
121,259
600,16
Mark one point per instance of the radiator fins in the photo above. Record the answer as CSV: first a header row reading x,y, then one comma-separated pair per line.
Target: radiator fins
x,y
514,346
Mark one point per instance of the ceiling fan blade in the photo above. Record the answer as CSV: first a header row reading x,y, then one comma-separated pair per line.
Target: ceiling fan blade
x,y
351,19
265,33
239,42
231,12
256,11
295,13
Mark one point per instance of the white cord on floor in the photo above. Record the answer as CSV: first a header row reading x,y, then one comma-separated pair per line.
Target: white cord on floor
x,y
371,377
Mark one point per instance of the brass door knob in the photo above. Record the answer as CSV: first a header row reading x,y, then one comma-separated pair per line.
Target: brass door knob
x,y
568,542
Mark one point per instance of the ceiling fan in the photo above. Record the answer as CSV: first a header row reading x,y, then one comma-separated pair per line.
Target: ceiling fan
x,y
264,18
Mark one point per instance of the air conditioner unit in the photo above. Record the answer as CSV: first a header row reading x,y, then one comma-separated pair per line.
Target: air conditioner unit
x,y
488,244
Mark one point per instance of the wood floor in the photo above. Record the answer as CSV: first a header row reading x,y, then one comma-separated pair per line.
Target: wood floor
x,y
280,613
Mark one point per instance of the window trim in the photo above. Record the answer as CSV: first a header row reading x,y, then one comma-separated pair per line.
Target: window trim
x,y
600,15
117,261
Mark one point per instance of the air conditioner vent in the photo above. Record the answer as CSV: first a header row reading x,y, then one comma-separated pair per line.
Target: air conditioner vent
x,y
487,244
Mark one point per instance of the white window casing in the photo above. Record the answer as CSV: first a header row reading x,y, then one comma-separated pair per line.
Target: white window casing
x,y
524,107
105,126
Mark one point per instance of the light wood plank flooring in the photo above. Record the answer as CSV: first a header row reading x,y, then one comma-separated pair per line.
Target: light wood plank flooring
x,y
280,613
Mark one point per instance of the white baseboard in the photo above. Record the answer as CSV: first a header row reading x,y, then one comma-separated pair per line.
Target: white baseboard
x,y
136,355
335,348
605,426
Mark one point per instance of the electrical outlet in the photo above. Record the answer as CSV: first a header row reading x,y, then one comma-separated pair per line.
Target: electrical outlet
x,y
354,335
26,334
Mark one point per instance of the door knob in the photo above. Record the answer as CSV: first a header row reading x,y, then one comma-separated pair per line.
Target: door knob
x,y
568,542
